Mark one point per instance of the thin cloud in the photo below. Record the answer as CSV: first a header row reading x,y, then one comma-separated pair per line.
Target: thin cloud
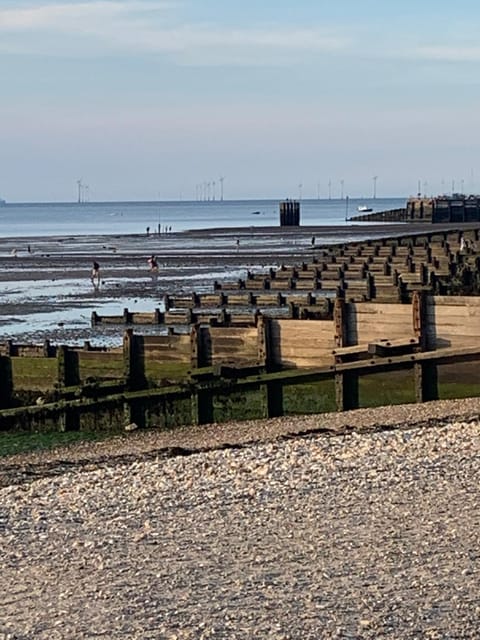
x,y
441,53
150,27
66,16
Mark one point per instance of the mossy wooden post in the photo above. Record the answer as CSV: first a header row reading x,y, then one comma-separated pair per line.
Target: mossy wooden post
x,y
134,413
346,382
194,346
272,391
346,391
426,381
203,404
6,382
47,349
134,378
67,367
274,399
134,369
68,376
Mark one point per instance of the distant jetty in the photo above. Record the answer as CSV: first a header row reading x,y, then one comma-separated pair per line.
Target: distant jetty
x,y
455,208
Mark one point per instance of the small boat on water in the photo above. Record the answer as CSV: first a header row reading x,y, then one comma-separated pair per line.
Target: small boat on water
x,y
364,209
255,213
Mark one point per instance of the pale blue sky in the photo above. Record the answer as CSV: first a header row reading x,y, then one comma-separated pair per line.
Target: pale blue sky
x,y
146,98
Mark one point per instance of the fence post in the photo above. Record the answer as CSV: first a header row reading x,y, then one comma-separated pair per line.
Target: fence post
x,y
339,317
426,381
194,346
47,350
6,382
262,338
204,405
346,391
134,413
134,366
419,310
67,367
69,419
67,376
274,393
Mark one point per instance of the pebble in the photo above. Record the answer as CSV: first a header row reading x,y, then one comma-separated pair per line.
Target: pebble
x,y
360,535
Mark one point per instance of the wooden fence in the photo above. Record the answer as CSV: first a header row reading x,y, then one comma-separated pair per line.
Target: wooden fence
x,y
144,379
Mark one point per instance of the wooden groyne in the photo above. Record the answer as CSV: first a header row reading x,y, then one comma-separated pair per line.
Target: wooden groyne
x,y
365,353
387,270
359,324
456,208
390,215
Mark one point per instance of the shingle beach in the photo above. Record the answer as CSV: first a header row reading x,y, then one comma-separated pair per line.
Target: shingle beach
x,y
355,525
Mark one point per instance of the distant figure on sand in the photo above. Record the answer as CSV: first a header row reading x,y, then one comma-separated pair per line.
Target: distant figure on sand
x,y
95,277
153,264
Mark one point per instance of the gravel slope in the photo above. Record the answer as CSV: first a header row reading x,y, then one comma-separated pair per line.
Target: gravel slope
x,y
365,526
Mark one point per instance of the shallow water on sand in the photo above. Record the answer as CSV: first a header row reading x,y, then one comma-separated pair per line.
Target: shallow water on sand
x,y
45,289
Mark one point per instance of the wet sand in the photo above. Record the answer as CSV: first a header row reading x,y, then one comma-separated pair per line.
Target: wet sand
x,y
45,288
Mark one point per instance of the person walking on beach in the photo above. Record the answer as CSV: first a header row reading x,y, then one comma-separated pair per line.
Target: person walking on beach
x,y
95,277
153,264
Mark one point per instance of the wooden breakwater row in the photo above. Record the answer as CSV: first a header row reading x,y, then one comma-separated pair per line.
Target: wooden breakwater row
x,y
386,270
223,393
456,208
159,379
390,215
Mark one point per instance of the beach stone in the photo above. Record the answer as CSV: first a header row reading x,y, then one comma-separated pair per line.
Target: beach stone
x,y
330,535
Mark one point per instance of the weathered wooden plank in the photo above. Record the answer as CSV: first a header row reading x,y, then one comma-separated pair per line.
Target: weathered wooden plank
x,y
385,348
244,333
34,373
99,356
454,301
446,330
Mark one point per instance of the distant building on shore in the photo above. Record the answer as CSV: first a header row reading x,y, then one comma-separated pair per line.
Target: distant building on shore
x,y
289,213
455,208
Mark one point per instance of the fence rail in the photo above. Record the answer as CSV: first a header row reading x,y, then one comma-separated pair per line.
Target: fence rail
x,y
189,377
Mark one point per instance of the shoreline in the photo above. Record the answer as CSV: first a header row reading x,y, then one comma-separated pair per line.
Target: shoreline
x,y
46,290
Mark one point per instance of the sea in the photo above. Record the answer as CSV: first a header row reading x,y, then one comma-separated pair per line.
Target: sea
x,y
23,220
59,308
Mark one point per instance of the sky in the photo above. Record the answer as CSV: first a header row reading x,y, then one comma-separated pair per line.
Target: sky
x,y
168,100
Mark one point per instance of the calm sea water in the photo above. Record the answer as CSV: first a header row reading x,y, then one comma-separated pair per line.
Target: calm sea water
x,y
51,219
60,308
